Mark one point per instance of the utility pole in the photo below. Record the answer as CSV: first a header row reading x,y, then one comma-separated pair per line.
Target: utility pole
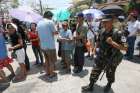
x,y
41,7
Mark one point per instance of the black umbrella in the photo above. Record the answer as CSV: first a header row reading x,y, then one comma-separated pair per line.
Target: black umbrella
x,y
113,9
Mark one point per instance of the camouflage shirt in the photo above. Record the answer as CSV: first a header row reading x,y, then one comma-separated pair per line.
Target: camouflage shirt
x,y
82,32
104,47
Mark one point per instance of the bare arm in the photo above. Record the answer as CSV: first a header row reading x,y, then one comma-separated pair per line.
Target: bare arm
x,y
20,44
115,45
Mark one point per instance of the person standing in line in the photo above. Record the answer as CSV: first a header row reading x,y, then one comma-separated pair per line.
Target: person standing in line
x,y
132,29
34,39
17,48
46,31
66,45
80,40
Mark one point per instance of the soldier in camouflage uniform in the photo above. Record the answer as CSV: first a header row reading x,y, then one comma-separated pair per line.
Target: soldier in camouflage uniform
x,y
108,57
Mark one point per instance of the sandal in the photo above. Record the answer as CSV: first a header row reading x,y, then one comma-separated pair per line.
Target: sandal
x,y
19,79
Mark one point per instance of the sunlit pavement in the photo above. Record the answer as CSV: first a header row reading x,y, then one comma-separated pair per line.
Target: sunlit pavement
x,y
127,79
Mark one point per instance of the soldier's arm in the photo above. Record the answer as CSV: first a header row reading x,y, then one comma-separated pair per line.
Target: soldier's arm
x,y
115,45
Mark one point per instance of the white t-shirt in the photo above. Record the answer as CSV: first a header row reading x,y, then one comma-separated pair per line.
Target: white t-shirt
x,y
133,27
137,24
90,35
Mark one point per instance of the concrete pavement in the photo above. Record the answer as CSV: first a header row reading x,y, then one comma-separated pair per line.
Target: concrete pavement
x,y
127,79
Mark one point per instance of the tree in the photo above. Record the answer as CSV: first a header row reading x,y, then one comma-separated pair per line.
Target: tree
x,y
15,3
80,5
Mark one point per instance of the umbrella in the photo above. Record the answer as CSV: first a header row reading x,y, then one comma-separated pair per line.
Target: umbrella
x,y
113,9
94,12
25,14
61,14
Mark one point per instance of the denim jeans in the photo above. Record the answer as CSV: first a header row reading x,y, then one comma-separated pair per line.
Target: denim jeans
x,y
37,53
131,44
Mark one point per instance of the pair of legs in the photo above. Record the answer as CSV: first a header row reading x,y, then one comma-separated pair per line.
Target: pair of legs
x,y
38,54
2,74
21,59
110,74
78,59
27,63
6,63
66,56
131,44
50,59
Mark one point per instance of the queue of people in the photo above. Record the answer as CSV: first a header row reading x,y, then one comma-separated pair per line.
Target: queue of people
x,y
74,42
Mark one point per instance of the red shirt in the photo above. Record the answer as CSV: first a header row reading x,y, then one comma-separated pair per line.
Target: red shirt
x,y
33,35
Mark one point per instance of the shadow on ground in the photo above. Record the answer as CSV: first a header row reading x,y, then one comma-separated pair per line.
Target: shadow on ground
x,y
82,74
36,69
136,59
48,80
3,87
99,89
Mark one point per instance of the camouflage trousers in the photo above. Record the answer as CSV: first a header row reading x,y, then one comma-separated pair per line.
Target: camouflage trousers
x,y
99,67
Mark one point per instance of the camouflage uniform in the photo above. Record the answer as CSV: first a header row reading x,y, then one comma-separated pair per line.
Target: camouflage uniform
x,y
107,59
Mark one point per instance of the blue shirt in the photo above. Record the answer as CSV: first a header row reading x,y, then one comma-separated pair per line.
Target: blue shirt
x,y
67,45
45,30
3,49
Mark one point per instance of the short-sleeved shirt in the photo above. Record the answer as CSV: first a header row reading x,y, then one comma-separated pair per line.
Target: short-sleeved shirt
x,y
34,36
14,39
81,31
133,27
45,30
137,25
66,35
3,50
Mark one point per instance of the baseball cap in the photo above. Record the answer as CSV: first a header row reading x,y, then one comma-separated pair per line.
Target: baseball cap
x,y
80,14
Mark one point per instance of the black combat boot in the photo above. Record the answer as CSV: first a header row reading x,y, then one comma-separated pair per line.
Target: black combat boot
x,y
88,88
107,87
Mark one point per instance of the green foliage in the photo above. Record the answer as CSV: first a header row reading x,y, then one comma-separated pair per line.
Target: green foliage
x,y
15,3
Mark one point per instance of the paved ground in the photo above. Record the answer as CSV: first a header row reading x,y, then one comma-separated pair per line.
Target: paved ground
x,y
127,79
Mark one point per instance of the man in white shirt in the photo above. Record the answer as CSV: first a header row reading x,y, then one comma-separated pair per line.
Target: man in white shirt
x,y
133,27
